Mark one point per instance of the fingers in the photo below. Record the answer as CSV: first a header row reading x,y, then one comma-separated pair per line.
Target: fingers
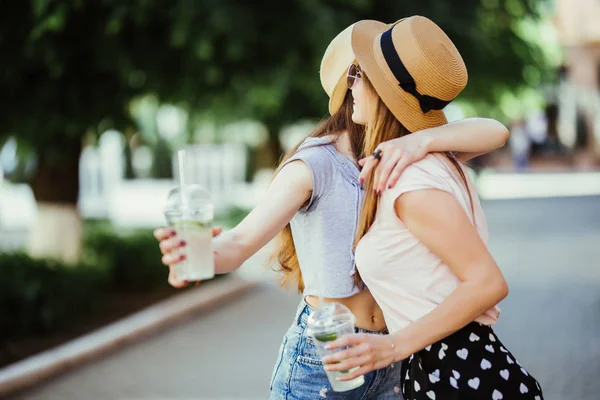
x,y
350,363
168,245
164,233
365,368
342,360
369,165
397,171
376,177
385,168
346,340
174,281
170,259
169,240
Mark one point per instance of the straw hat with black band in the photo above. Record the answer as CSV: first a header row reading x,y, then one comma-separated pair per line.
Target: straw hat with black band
x,y
413,66
334,65
338,56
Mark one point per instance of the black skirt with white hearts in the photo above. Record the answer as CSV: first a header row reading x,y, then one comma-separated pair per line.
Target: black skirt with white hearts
x,y
469,364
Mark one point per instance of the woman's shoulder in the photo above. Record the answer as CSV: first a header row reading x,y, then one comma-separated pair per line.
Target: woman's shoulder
x,y
317,154
433,164
315,142
316,148
431,172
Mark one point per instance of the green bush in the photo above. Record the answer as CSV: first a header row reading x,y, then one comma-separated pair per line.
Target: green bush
x,y
38,296
41,296
132,260
231,217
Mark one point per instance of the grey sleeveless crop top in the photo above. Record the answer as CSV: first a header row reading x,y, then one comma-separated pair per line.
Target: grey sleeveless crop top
x,y
323,230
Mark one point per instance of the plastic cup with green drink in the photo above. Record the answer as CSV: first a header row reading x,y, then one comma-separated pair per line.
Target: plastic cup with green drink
x,y
190,212
331,321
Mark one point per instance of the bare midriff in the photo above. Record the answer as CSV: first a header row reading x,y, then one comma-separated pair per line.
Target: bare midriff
x,y
363,306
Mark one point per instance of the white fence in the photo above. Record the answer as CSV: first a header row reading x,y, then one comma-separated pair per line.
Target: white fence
x,y
104,193
221,168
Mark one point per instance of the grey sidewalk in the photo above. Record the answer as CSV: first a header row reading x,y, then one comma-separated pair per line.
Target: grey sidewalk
x,y
548,249
226,353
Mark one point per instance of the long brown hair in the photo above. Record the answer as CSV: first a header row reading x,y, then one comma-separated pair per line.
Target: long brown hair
x,y
333,126
384,126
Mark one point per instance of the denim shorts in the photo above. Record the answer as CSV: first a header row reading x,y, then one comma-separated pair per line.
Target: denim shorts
x,y
299,373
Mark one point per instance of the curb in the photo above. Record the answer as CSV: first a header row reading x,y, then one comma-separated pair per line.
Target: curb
x,y
33,370
505,186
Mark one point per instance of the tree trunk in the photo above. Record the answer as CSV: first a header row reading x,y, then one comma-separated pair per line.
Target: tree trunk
x,y
128,156
273,148
58,230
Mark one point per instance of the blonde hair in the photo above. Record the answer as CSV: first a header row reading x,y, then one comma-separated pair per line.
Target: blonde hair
x,y
383,126
285,252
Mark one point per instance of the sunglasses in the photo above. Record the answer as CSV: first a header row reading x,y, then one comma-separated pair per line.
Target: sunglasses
x,y
353,75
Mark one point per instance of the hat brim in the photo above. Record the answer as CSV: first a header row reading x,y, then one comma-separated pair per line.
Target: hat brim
x,y
338,95
403,105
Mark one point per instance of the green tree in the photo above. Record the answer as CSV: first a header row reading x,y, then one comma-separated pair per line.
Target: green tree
x,y
72,68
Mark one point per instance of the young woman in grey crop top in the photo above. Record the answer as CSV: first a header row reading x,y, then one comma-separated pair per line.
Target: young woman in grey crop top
x,y
313,202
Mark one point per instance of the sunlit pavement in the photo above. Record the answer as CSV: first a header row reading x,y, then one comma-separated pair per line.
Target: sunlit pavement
x,y
549,250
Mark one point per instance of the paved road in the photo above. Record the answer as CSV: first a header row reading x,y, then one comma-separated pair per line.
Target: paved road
x,y
548,249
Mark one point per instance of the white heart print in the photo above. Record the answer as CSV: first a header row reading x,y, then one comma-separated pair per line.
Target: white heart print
x,y
431,395
523,389
417,386
492,338
505,374
510,361
462,353
428,348
441,354
485,364
433,378
453,382
502,349
444,346
473,337
537,398
524,372
407,375
497,395
474,383
489,348
456,374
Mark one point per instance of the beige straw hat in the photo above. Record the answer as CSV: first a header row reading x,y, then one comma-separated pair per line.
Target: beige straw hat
x,y
334,65
414,67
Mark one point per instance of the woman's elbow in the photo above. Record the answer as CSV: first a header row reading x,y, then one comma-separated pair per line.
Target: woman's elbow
x,y
501,289
496,289
503,133
491,286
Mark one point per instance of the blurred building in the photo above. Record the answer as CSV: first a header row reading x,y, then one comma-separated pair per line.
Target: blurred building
x,y
578,27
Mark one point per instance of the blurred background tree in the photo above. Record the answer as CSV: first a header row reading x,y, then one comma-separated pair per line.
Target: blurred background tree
x,y
72,68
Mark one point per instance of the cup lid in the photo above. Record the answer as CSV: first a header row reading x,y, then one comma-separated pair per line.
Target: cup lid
x,y
328,316
190,197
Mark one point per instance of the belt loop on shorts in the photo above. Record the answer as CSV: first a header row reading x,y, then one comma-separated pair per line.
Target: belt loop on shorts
x,y
302,313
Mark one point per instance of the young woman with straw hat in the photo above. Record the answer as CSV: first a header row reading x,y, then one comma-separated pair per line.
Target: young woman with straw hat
x,y
314,203
421,246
